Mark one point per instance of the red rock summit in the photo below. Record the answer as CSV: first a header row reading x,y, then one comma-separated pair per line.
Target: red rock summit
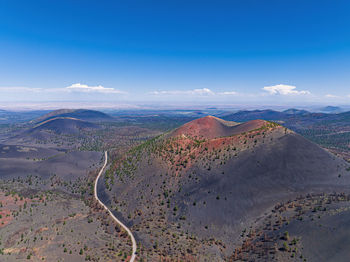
x,y
210,127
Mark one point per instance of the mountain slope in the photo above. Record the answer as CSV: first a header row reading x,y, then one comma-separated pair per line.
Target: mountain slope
x,y
293,111
267,114
208,127
82,114
63,125
213,186
331,109
55,131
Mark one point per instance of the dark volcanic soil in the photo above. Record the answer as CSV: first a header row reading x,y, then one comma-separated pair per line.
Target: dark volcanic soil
x,y
63,126
45,163
215,188
309,228
82,114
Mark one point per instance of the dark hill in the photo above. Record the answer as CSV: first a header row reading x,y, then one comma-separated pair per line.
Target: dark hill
x,y
293,111
82,114
268,114
214,187
63,126
331,109
48,132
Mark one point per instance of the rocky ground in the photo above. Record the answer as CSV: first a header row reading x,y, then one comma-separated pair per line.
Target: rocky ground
x,y
51,226
309,228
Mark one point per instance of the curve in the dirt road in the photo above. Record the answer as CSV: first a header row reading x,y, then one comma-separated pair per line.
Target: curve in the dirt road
x,y
133,256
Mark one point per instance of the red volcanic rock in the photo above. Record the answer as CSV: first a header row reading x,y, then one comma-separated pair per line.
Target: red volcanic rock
x,y
210,127
248,126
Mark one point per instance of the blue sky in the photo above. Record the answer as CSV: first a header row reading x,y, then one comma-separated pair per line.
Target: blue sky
x,y
179,52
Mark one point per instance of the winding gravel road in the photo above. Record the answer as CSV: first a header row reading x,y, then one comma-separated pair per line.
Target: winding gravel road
x,y
133,256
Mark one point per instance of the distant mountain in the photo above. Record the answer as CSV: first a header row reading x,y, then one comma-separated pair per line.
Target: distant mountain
x,y
63,125
293,111
267,114
212,177
45,131
82,114
247,115
295,119
331,109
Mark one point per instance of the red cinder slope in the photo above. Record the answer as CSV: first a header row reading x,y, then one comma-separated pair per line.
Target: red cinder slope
x,y
210,127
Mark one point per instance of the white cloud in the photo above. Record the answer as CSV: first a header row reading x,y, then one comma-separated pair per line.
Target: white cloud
x,y
75,87
203,91
331,96
228,93
284,90
88,89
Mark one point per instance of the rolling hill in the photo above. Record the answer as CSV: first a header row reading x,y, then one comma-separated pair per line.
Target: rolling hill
x,y
331,109
268,114
82,114
54,131
211,178
63,125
